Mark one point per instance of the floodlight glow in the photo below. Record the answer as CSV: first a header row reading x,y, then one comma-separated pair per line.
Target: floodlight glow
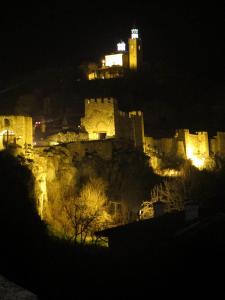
x,y
114,60
121,46
134,33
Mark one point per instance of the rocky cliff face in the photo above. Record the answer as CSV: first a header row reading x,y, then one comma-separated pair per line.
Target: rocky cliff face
x,y
55,178
60,176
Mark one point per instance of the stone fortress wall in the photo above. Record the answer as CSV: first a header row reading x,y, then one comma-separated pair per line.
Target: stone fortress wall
x,y
107,130
99,118
106,126
104,120
16,130
197,147
217,144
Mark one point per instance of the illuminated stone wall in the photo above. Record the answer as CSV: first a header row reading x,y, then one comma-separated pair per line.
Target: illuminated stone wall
x,y
66,137
164,147
217,144
104,120
16,130
100,117
117,59
114,60
55,173
196,144
196,147
184,144
135,53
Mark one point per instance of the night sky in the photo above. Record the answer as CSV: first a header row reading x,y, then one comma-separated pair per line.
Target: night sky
x,y
189,37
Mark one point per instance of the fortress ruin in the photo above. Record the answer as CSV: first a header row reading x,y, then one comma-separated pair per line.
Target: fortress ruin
x,y
16,130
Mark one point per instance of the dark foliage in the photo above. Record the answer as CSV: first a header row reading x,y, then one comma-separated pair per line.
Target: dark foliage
x,y
22,233
128,176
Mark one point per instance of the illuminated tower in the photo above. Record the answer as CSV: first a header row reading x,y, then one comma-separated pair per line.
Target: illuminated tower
x,y
135,50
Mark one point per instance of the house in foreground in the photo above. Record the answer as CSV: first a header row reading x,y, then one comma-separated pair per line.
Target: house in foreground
x,y
168,232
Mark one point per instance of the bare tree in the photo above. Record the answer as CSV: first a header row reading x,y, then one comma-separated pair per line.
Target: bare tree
x,y
172,192
87,212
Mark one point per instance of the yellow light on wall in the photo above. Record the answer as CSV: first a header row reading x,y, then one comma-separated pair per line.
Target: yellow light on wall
x,y
197,160
10,132
91,76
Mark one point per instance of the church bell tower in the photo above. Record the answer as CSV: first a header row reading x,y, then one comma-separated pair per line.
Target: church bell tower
x,y
135,50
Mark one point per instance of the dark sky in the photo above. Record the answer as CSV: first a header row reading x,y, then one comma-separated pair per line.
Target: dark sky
x,y
190,36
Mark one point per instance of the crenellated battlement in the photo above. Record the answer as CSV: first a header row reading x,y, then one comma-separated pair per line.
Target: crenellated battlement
x,y
136,113
198,147
99,120
123,114
105,100
104,120
202,132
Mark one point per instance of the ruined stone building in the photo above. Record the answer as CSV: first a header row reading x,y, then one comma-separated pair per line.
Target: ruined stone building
x,y
17,130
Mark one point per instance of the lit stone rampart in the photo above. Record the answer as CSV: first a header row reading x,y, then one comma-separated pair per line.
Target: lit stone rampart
x,y
16,130
104,120
99,118
217,144
197,147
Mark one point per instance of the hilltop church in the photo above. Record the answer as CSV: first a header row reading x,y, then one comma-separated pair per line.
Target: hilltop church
x,y
118,63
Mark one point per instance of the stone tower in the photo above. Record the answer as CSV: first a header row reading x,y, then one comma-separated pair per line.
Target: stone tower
x,y
135,50
17,130
100,119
